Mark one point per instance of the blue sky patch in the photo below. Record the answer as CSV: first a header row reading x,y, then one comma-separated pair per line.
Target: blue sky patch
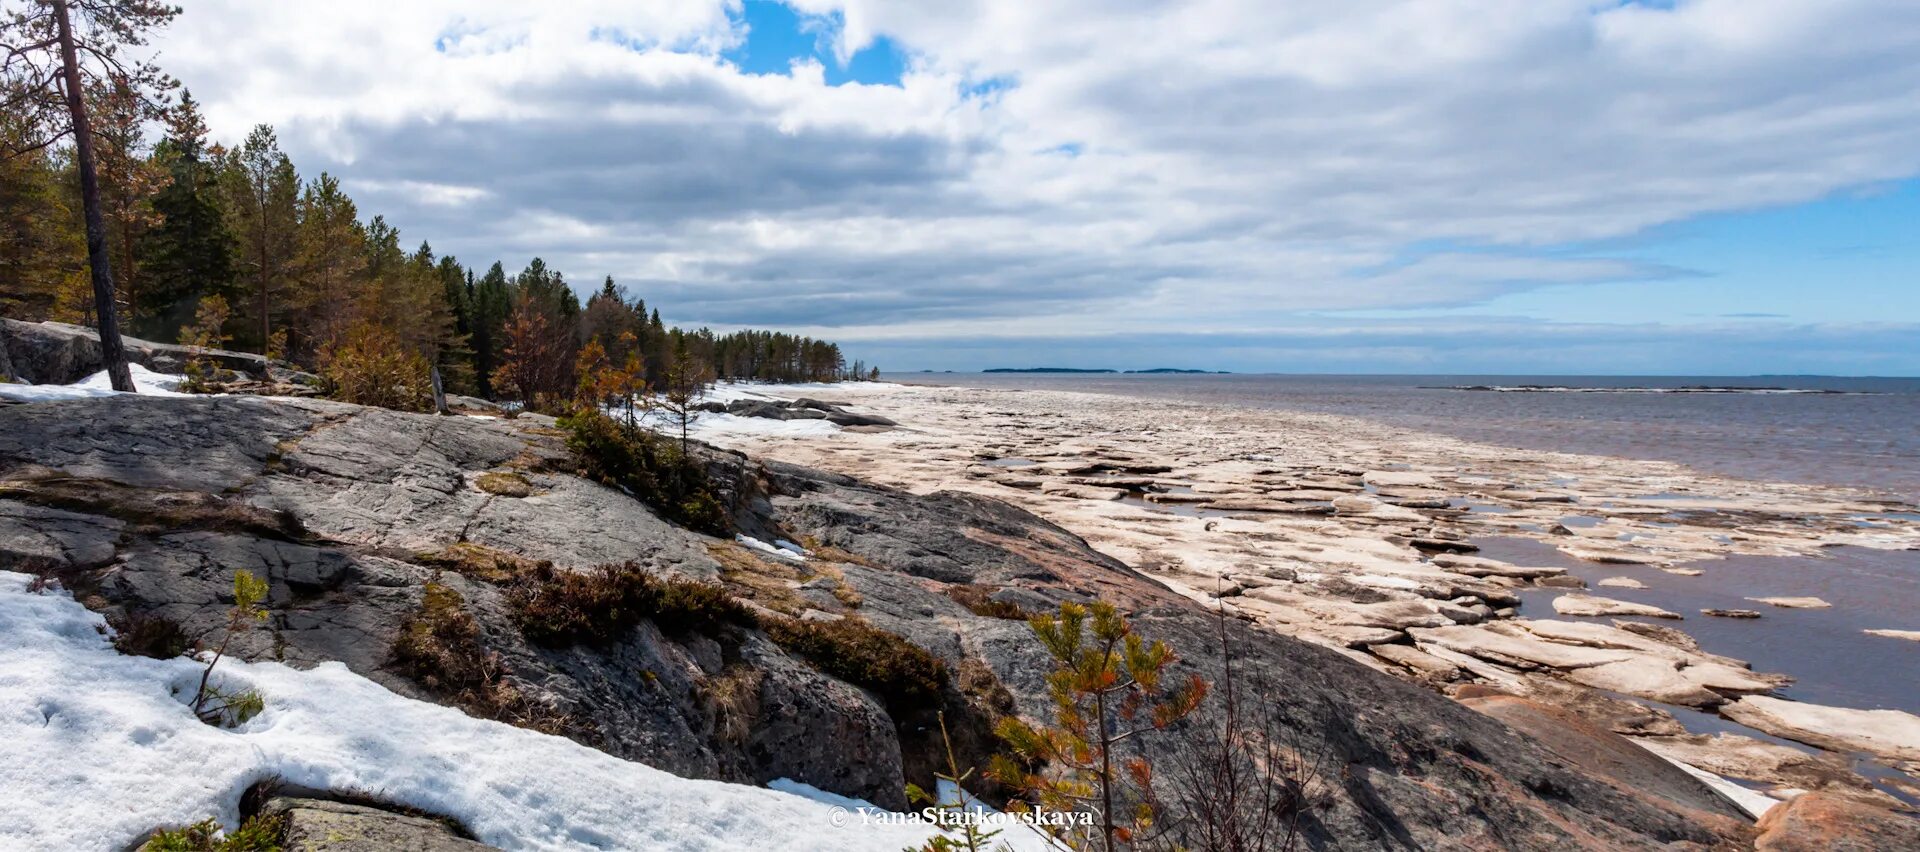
x,y
777,36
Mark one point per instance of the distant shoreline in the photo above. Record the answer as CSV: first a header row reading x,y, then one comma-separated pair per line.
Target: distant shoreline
x,y
1681,389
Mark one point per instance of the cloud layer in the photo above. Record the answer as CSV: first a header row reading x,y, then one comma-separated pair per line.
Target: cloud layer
x,y
1049,166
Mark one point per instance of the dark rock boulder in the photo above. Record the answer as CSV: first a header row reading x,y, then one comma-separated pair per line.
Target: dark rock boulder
x,y
803,409
48,353
848,418
54,353
757,408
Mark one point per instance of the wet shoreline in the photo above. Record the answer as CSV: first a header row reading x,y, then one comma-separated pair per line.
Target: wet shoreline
x,y
1442,561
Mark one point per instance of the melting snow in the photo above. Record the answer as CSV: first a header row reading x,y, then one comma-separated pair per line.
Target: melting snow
x,y
98,748
784,548
96,385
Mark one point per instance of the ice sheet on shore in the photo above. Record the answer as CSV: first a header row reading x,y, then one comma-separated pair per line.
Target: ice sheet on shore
x,y
98,748
710,425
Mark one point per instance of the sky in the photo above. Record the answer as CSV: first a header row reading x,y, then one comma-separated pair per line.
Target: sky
x,y
1715,187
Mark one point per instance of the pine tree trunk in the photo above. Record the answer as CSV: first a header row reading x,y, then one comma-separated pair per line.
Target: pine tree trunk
x,y
111,352
439,392
266,324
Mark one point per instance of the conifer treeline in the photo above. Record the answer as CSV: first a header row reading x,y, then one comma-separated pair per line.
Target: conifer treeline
x,y
289,267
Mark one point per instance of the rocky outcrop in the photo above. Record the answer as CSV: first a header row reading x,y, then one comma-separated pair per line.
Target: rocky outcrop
x,y
799,409
148,506
1416,771
324,825
1605,754
55,353
1817,822
351,512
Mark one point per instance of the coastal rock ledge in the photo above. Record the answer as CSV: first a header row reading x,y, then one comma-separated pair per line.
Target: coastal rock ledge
x,y
144,507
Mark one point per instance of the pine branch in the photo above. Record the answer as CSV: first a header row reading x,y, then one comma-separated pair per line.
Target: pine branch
x,y
8,156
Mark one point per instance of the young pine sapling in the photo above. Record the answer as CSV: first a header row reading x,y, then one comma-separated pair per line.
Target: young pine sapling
x,y
212,704
1108,688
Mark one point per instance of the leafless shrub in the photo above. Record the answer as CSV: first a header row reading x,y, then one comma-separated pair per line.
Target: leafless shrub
x,y
1241,780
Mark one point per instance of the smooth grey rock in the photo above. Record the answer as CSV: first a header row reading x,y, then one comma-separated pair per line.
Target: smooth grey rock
x,y
474,403
70,539
210,445
55,353
324,825
1605,753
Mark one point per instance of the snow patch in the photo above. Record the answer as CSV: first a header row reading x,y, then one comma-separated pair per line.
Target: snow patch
x,y
147,381
1756,804
97,749
784,549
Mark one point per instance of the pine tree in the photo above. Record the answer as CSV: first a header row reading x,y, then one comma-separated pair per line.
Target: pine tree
x,y
189,254
548,361
38,240
687,376
329,254
492,303
612,321
528,355
262,193
457,356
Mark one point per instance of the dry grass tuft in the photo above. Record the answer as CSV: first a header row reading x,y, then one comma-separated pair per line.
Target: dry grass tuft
x,y
770,583
734,696
980,602
906,676
439,647
504,484
153,636
601,605
483,563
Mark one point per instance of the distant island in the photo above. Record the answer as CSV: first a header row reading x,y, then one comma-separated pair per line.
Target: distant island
x,y
1078,370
